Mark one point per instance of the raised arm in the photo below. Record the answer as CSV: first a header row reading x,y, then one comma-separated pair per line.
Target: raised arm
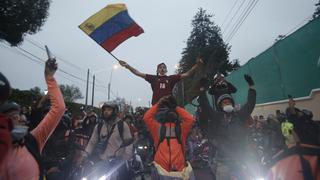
x,y
192,70
187,121
43,131
205,106
133,70
247,109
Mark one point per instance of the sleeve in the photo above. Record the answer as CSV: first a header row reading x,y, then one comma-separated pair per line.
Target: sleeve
x,y
43,131
247,108
93,140
150,78
231,88
205,106
174,79
127,135
187,121
151,122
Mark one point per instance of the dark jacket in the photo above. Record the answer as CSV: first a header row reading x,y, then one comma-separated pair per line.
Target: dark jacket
x,y
228,130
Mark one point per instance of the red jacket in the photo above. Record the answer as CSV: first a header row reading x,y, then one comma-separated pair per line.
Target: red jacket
x,y
290,168
5,136
163,156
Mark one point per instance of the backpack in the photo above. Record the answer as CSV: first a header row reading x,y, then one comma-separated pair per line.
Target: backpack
x,y
32,145
120,129
162,135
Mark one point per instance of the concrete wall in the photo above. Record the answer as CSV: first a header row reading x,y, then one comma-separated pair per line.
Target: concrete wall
x,y
311,103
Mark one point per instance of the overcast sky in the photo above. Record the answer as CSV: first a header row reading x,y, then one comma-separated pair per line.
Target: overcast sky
x,y
167,26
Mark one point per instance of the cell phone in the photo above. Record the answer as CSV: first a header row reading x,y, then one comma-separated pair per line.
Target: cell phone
x,y
51,58
48,53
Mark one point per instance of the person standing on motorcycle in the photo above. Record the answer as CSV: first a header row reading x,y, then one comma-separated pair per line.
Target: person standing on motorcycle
x,y
161,84
169,133
106,139
227,129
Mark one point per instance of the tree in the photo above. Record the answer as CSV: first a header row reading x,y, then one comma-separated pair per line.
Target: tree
x,y
317,12
19,17
36,91
71,93
206,42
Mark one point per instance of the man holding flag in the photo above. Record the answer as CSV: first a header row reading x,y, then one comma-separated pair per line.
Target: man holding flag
x,y
162,84
110,27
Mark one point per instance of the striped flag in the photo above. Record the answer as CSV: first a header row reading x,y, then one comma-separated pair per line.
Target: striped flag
x,y
111,26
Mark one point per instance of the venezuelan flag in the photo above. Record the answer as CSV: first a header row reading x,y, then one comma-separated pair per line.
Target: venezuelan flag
x,y
111,26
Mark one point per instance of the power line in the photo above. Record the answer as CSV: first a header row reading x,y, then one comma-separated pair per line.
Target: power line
x,y
227,16
298,25
239,19
242,19
38,45
39,60
226,28
34,58
58,57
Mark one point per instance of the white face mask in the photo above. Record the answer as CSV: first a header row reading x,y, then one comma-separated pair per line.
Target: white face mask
x,y
228,108
18,132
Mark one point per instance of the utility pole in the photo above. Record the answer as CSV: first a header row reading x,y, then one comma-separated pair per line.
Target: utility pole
x,y
87,89
109,91
92,100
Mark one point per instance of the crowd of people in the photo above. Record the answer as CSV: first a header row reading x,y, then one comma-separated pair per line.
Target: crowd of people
x,y
164,142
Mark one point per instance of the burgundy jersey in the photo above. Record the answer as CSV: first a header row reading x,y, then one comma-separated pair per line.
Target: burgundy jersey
x,y
161,85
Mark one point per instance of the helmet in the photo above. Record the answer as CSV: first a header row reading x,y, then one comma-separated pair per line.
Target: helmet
x,y
223,97
5,88
112,105
9,106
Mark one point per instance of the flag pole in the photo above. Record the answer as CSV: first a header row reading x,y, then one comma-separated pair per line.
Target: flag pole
x,y
113,56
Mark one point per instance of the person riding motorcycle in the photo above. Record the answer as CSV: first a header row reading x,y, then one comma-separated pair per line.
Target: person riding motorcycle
x,y
227,128
105,139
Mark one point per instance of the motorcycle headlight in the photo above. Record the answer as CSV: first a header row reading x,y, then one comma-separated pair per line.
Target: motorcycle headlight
x,y
145,147
104,177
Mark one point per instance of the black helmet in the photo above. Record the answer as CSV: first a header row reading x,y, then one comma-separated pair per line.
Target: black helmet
x,y
5,88
9,106
112,105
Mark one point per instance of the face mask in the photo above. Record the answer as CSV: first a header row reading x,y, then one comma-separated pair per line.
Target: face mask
x,y
228,108
18,132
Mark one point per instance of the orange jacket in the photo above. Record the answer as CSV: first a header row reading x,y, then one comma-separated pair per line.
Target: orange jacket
x,y
163,156
19,162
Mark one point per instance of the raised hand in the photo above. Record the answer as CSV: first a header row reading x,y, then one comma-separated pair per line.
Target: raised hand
x,y
50,68
123,63
249,80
